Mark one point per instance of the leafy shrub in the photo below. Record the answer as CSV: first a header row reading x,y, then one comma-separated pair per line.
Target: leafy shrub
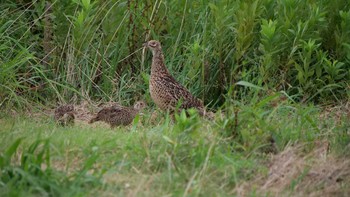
x,y
94,49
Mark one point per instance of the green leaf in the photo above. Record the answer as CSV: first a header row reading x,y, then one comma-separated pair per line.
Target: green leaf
x,y
250,85
86,4
267,100
166,138
6,158
80,18
145,77
13,148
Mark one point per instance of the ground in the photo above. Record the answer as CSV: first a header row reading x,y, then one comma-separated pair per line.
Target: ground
x,y
308,156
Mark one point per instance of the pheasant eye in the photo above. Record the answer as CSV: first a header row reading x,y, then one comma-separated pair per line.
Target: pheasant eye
x,y
152,44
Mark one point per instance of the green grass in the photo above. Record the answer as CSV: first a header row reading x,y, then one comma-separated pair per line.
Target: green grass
x,y
192,157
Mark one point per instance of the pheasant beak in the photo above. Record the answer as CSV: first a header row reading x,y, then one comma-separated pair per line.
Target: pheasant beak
x,y
144,44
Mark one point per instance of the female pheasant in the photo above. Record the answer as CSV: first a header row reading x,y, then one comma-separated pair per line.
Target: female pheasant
x,y
165,91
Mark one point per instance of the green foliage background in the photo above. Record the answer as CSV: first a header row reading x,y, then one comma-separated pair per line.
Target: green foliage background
x,y
73,49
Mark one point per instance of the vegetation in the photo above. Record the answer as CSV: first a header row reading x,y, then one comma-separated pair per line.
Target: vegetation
x,y
277,73
192,157
86,49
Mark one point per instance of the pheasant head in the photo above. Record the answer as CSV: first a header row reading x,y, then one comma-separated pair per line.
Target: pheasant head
x,y
154,46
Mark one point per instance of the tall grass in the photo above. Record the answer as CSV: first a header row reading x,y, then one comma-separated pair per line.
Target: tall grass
x,y
73,50
28,170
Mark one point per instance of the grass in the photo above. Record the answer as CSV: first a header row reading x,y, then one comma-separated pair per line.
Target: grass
x,y
192,157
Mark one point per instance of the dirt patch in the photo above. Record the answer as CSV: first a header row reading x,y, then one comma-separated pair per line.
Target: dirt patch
x,y
292,172
338,112
83,112
131,184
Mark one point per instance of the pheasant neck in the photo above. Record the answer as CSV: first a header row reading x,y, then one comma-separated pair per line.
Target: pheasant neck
x,y
134,112
158,65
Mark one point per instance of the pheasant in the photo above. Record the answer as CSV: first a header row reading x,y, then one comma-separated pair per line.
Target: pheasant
x,y
64,115
117,115
165,91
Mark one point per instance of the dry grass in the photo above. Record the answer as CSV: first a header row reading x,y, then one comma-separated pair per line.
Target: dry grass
x,y
136,184
292,172
338,112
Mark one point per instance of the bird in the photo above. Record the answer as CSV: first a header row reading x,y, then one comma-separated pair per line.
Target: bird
x,y
118,115
165,91
64,115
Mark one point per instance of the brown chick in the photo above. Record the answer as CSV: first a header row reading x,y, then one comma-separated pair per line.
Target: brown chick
x,y
118,115
165,91
64,115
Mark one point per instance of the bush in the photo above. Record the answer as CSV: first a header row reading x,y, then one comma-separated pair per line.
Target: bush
x,y
91,49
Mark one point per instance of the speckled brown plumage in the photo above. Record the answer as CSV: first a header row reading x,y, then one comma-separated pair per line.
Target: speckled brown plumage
x,y
64,115
165,91
117,115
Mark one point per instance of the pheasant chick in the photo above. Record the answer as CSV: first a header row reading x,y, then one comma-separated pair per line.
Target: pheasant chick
x,y
117,115
64,115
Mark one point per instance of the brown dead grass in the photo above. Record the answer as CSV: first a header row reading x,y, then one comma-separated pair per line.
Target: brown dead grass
x,y
337,112
292,172
83,112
